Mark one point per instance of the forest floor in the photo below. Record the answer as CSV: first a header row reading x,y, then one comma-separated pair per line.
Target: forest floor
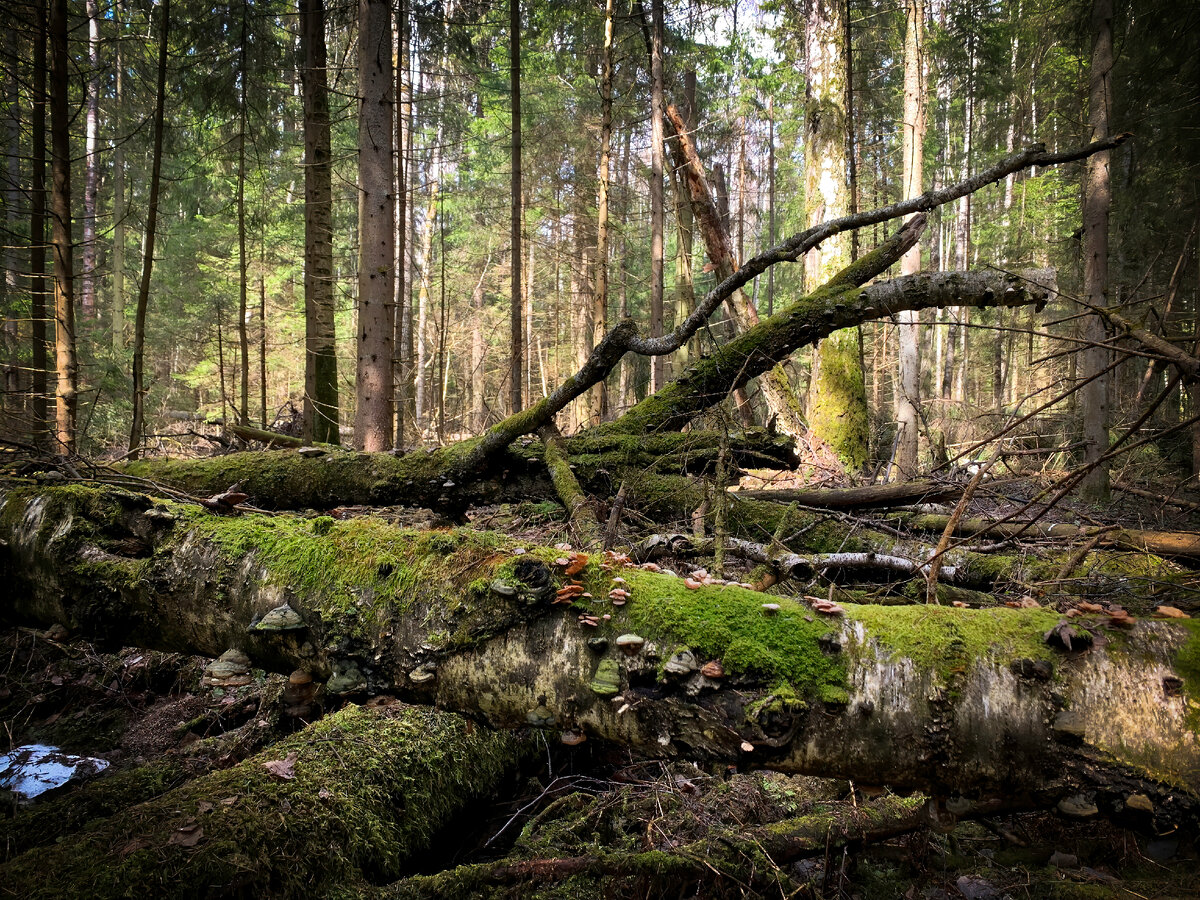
x,y
142,710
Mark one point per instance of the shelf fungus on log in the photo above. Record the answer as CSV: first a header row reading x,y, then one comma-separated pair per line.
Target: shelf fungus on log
x,y
965,691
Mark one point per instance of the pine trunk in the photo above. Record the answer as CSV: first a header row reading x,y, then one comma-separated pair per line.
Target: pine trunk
x,y
376,213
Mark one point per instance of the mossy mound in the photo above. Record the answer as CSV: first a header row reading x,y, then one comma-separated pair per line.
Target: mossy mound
x,y
369,788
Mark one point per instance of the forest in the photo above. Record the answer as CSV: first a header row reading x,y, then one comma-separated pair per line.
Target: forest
x,y
732,448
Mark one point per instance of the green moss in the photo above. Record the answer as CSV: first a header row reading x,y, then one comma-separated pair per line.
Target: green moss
x,y
53,819
727,623
371,788
344,566
838,411
948,639
1187,666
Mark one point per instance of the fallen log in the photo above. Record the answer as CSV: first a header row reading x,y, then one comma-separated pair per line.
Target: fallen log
x,y
472,622
1162,543
749,857
349,799
286,479
872,496
262,436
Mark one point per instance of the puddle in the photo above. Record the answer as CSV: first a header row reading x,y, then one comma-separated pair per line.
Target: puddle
x,y
36,768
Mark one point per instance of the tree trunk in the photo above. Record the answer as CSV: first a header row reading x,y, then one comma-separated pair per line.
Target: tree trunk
x,y
516,335
243,326
599,411
1093,396
657,225
376,212
685,292
137,429
982,704
37,231
119,209
87,284
777,389
908,330
320,358
837,403
11,265
402,313
406,407
66,367
425,263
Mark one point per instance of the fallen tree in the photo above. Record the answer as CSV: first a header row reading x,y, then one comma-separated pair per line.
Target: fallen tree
x,y
349,800
983,704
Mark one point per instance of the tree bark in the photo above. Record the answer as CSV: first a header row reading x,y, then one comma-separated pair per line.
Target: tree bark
x,y
837,401
87,284
37,231
243,325
376,212
782,402
908,330
657,162
66,366
980,701
516,332
599,411
137,429
1093,396
119,209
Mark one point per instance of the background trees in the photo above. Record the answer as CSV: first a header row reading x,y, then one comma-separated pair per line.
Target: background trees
x,y
246,306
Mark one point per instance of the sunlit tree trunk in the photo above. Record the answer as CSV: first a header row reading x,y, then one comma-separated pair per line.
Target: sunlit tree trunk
x,y
515,329
143,301
685,295
66,367
87,283
600,288
402,325
373,411
837,395
912,148
1093,397
657,107
119,208
425,264
320,359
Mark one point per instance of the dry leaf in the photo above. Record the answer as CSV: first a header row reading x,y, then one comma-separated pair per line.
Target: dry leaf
x,y
284,769
187,836
203,806
1171,612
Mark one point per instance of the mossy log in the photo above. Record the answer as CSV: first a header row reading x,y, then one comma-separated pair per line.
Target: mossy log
x,y
285,479
351,799
978,701
751,857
